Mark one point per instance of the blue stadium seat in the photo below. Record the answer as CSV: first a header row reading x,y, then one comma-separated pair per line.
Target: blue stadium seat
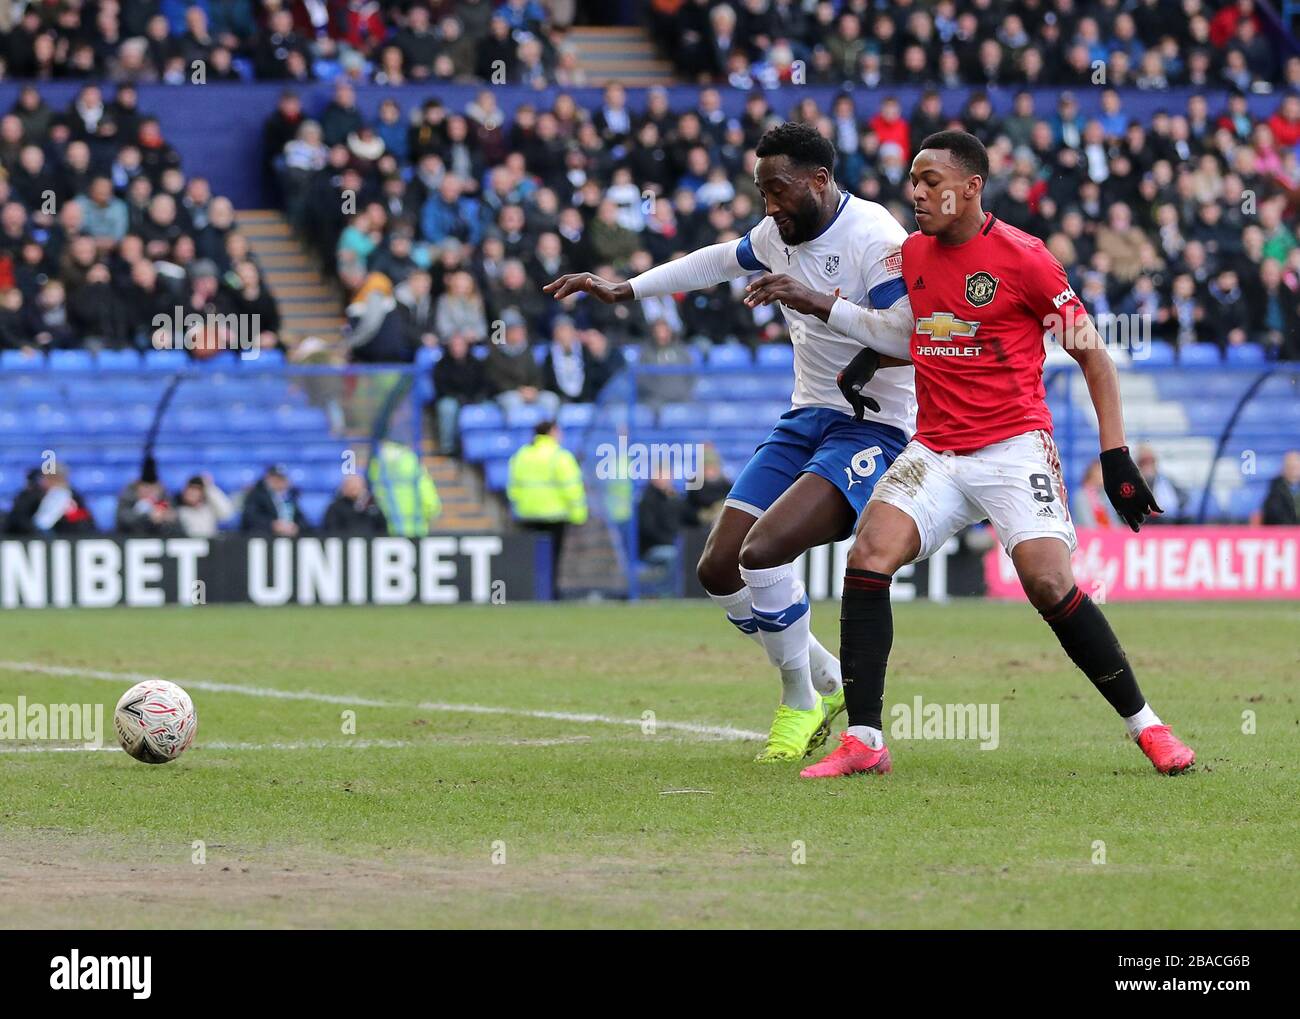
x,y
681,415
305,419
479,446
1158,355
118,360
103,480
576,415
1269,412
730,415
776,355
1198,354
1208,416
71,360
497,474
222,361
729,355
575,441
16,360
104,509
1247,353
127,453
1174,384
478,416
14,424
316,477
1283,383
527,416
166,360
1246,500
319,452
712,387
271,358
314,505
232,478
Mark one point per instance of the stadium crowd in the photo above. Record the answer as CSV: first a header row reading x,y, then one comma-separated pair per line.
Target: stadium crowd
x,y
1147,44
102,232
442,222
460,217
180,42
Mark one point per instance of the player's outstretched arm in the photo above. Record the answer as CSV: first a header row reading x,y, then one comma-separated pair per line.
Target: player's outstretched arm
x,y
1125,487
588,283
701,269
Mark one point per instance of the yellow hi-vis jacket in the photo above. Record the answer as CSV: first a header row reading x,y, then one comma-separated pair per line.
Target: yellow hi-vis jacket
x,y
404,490
546,483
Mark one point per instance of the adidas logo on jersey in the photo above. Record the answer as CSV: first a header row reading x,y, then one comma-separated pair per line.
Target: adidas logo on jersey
x,y
919,284
1045,511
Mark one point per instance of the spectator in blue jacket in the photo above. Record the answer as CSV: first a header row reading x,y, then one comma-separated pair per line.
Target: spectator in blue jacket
x,y
451,213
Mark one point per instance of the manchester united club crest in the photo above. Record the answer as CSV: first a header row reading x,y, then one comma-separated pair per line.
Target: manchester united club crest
x,y
980,288
832,264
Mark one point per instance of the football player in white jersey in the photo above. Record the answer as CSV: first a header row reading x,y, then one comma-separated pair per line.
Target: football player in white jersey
x,y
833,262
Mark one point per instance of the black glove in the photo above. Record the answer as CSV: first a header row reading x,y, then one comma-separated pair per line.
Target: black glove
x,y
1125,487
856,374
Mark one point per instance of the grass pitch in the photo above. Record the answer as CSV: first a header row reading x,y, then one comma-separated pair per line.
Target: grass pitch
x,y
433,812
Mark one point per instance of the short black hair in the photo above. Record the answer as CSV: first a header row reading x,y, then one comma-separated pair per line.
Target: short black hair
x,y
969,151
801,143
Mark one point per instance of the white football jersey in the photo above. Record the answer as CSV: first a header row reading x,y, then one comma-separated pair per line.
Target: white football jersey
x,y
860,254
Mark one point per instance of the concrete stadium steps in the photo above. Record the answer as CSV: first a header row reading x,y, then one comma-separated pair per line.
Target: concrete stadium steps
x,y
623,54
463,505
309,304
591,565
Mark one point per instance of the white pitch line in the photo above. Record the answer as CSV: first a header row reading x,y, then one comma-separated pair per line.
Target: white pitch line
x,y
361,744
312,744
695,728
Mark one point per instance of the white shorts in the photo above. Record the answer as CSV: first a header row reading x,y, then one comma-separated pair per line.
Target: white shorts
x,y
1016,484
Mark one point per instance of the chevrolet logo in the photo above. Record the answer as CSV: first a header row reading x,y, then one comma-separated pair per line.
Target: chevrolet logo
x,y
943,324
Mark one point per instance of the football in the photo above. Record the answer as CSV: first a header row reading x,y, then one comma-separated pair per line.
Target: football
x,y
155,721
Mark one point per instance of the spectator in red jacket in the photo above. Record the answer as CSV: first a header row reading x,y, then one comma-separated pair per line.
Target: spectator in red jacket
x,y
1285,123
889,126
1223,26
361,25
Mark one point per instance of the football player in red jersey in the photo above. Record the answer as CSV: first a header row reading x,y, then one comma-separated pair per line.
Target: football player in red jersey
x,y
983,294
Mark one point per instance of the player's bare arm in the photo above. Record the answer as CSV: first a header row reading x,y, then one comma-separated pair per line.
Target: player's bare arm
x,y
1085,345
588,283
1124,484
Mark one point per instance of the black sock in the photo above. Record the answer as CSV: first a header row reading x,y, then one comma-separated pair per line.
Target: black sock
x,y
1094,648
866,635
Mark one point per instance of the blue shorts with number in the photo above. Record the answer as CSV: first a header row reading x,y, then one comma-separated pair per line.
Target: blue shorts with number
x,y
851,455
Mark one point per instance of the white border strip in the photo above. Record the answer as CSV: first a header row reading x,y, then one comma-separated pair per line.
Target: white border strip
x,y
723,732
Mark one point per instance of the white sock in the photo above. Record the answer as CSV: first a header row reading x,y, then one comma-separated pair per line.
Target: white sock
x,y
740,612
873,738
826,676
1142,720
782,613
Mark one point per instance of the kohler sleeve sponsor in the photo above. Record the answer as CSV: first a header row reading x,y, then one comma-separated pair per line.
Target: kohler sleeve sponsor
x,y
327,570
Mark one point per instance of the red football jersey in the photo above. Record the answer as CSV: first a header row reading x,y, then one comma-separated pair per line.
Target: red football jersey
x,y
981,309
